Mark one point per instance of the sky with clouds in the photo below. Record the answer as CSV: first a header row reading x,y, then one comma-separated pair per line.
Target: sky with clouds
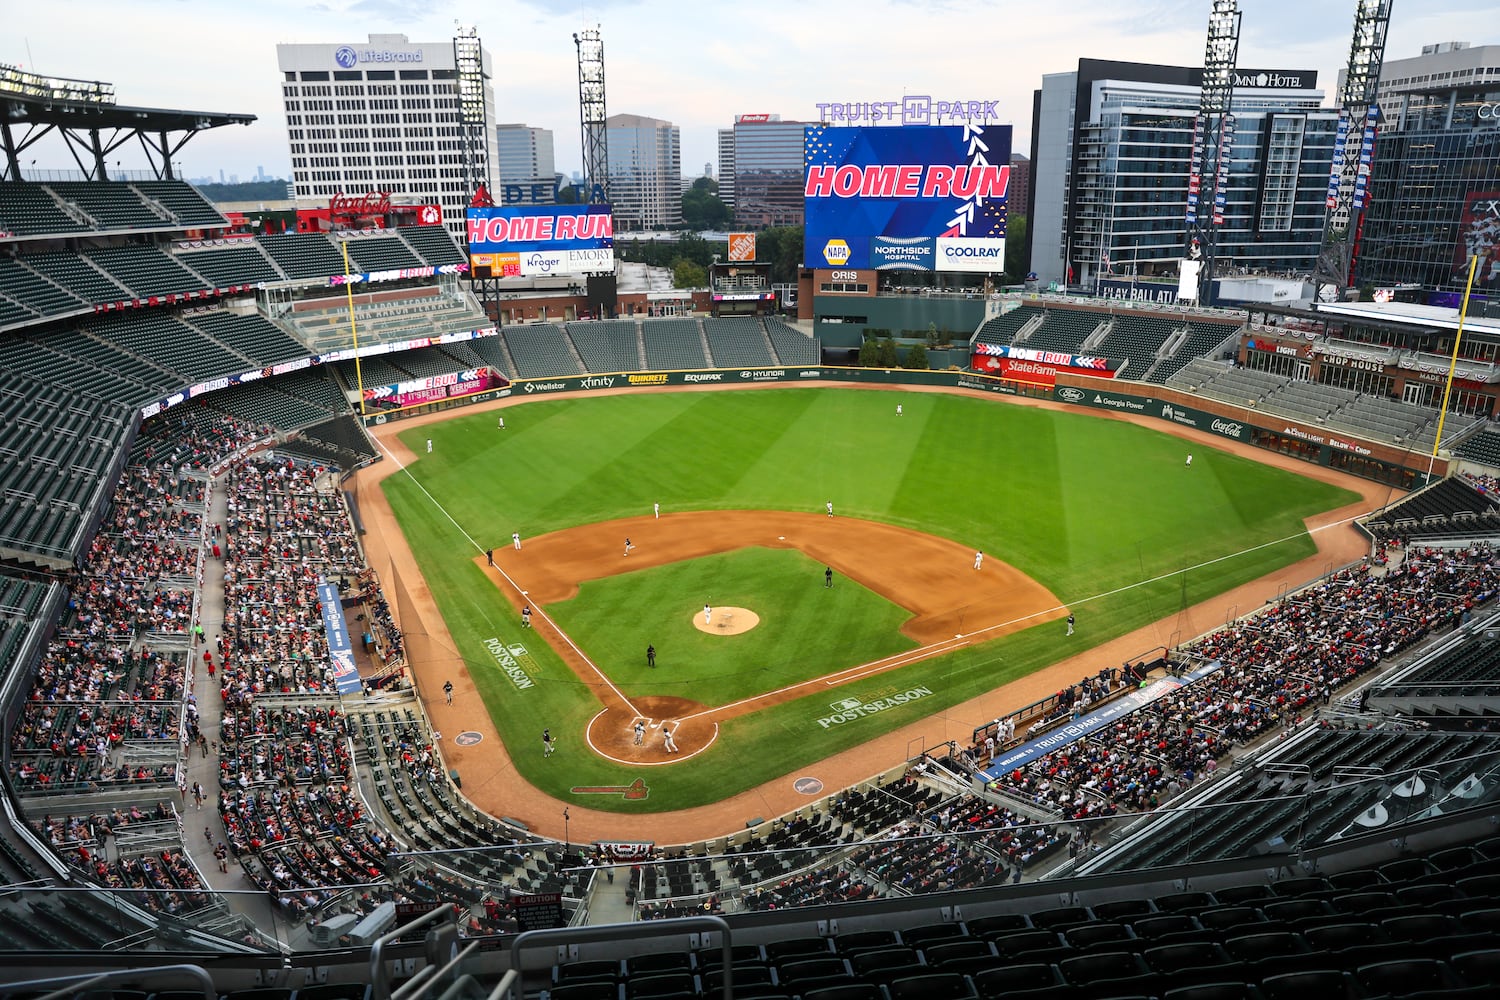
x,y
696,64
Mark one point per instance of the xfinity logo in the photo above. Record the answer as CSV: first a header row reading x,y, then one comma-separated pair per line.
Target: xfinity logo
x,y
1071,395
696,377
597,383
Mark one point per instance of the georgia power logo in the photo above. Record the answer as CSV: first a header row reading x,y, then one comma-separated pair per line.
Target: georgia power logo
x,y
836,252
345,56
1071,394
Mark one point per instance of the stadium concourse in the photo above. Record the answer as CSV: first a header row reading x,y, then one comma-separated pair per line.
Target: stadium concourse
x,y
490,779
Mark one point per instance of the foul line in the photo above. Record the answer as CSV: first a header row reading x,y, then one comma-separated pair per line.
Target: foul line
x,y
538,612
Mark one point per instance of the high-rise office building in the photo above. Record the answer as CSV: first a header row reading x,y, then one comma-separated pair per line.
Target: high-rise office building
x,y
525,170
767,160
1111,151
1435,183
726,167
380,115
645,172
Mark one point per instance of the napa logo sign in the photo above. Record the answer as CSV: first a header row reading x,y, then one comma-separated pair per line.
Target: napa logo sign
x,y
836,252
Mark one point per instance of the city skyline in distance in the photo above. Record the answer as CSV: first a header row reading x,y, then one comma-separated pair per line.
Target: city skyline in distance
x,y
692,65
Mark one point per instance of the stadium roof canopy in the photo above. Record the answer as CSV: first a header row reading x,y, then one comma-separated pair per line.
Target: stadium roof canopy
x,y
86,115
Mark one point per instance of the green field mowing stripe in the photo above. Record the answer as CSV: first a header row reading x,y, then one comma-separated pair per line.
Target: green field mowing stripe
x,y
806,630
1084,505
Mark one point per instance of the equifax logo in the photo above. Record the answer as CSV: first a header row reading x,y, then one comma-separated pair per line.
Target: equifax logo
x,y
836,252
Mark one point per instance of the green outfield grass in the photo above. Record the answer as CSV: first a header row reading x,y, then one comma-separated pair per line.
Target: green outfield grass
x,y
1101,512
806,631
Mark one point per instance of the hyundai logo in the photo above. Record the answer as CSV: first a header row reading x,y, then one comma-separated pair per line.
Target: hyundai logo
x,y
345,56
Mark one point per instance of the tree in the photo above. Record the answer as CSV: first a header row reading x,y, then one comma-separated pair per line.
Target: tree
x,y
688,274
916,357
781,247
887,358
869,353
701,207
1015,247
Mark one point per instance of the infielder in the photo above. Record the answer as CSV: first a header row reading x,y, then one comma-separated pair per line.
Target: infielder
x,y
656,509
829,505
515,539
978,559
628,545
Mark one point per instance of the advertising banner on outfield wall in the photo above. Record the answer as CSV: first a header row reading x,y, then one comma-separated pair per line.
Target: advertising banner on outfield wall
x,y
869,187
436,387
1176,413
1023,364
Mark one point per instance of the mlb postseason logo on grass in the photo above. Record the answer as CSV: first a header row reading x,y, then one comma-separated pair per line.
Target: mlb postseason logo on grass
x,y
508,659
851,709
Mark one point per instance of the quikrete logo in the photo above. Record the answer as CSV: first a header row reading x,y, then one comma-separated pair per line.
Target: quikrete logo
x,y
654,379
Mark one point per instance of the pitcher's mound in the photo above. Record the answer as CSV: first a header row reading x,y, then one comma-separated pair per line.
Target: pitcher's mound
x,y
726,621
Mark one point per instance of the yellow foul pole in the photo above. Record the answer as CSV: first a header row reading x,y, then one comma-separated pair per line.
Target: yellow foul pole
x,y
359,377
1463,312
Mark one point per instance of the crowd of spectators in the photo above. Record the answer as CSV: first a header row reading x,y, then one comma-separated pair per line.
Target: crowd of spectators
x,y
823,885
164,880
1273,670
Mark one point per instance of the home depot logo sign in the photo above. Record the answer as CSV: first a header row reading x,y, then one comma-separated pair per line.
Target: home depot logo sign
x,y
742,247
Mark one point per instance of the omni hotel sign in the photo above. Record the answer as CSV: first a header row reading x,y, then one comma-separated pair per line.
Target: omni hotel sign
x,y
913,109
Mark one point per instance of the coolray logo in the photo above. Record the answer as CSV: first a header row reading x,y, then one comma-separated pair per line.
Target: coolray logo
x,y
545,386
508,664
907,180
1068,394
345,57
810,373
1228,428
594,382
700,377
836,252
991,252
656,378
851,709
541,263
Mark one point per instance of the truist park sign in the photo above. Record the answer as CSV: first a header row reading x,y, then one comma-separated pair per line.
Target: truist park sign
x,y
913,109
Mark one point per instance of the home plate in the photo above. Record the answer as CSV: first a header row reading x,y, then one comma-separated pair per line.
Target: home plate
x,y
781,538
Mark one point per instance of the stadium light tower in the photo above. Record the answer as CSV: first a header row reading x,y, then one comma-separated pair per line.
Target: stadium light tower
x,y
1213,142
1349,177
592,115
468,62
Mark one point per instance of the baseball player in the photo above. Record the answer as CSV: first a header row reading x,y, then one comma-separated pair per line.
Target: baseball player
x,y
547,745
667,742
978,559
429,446
898,409
515,539
651,656
1070,624
656,509
827,577
708,615
502,423
628,545
526,617
640,731
829,505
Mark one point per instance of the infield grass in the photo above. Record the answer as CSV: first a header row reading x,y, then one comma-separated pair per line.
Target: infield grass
x,y
805,630
1101,512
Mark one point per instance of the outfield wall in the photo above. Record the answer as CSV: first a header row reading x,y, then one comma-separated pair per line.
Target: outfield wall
x,y
1309,442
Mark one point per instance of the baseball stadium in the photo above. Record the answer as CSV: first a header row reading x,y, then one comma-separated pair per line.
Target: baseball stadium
x,y
652,654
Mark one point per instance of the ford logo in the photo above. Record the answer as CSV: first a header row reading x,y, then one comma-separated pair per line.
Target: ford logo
x,y
1070,394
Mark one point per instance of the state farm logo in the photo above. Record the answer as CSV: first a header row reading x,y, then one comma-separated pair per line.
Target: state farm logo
x,y
695,377
1071,395
1228,428
836,252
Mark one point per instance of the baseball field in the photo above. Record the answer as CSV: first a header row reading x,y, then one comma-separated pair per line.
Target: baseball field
x,y
863,621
